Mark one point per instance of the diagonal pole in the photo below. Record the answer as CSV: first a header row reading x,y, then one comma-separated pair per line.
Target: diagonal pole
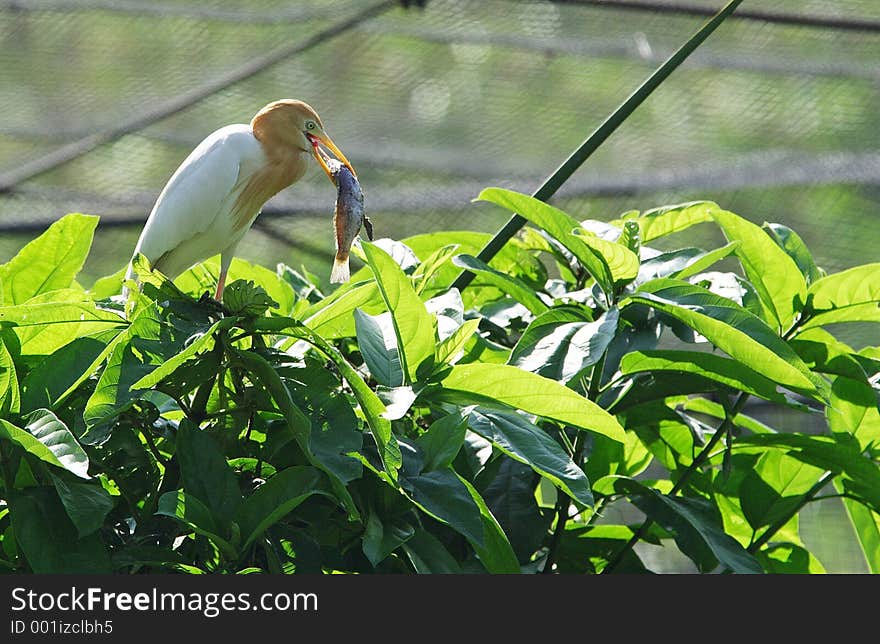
x,y
598,137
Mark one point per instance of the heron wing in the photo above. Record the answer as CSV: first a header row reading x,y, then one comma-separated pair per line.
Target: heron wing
x,y
197,194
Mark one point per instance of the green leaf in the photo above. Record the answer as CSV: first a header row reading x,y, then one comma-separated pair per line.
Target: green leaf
x,y
789,559
739,333
768,267
442,441
559,225
412,322
205,473
775,487
556,347
693,525
841,455
513,259
48,322
428,555
244,297
442,495
854,410
507,284
378,346
511,497
48,538
109,285
866,523
450,349
622,262
67,368
188,510
371,406
588,549
49,262
202,343
667,220
663,432
203,277
493,384
87,504
10,396
331,316
28,443
276,498
725,371
154,337
45,426
495,553
529,444
789,241
380,540
702,261
852,295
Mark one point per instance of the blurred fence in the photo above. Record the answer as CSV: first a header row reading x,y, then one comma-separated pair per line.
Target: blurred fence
x,y
776,116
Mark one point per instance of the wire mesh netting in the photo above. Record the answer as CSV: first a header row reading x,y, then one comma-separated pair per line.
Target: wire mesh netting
x,y
776,116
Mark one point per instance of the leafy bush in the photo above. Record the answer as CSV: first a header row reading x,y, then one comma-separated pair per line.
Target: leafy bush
x,y
398,425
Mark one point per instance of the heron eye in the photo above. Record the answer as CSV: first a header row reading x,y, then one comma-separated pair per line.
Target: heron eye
x,y
310,125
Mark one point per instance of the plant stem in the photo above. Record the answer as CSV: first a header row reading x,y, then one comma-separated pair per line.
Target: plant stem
x,y
598,137
700,458
563,501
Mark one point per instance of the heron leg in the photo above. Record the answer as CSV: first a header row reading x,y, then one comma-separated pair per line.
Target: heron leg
x,y
221,282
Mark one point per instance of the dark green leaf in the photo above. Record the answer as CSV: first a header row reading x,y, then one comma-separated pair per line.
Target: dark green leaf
x,y
197,517
696,530
381,539
558,224
10,396
529,444
48,538
442,441
444,496
205,473
276,498
87,504
428,556
44,384
511,498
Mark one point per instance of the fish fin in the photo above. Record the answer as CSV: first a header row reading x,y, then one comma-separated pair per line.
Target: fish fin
x,y
340,272
368,226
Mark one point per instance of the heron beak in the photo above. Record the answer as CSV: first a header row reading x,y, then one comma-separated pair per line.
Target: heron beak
x,y
318,140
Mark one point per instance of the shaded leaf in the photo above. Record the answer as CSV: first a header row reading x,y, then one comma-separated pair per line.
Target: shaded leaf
x,y
507,284
529,444
48,538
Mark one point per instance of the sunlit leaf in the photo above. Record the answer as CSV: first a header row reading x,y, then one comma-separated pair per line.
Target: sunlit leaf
x,y
493,384
49,262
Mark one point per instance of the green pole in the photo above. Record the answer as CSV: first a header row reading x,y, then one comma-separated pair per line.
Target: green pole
x,y
598,137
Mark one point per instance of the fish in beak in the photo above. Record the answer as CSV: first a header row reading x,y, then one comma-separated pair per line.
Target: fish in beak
x,y
322,157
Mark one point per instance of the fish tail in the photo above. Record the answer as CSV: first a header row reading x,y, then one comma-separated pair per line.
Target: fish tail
x,y
340,272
